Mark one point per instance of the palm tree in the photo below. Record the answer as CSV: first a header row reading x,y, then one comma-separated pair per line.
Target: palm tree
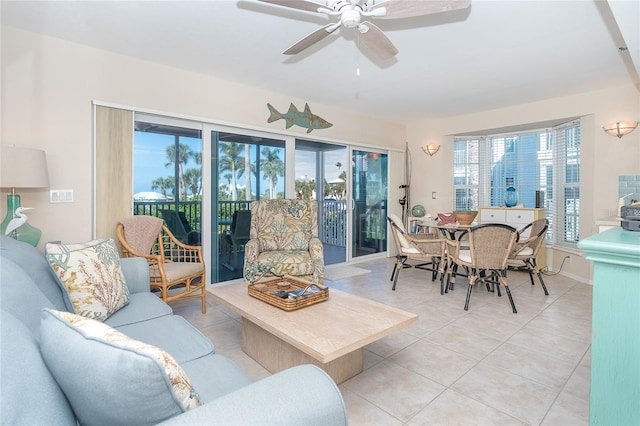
x,y
272,167
162,184
193,180
231,161
184,154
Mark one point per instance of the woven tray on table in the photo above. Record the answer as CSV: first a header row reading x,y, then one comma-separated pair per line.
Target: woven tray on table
x,y
291,304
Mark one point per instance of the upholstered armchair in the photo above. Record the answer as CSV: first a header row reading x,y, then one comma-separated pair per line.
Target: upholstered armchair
x,y
284,241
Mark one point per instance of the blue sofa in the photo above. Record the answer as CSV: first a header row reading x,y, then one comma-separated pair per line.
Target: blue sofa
x,y
30,394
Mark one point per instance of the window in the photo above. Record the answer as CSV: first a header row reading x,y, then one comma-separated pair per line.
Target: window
x,y
540,164
167,176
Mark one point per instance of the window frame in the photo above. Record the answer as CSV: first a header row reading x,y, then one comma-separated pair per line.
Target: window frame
x,y
558,149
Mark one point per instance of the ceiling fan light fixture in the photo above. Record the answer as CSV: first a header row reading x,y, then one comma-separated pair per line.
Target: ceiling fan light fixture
x,y
350,18
350,14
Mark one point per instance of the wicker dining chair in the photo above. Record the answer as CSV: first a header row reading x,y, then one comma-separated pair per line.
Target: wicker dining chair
x,y
490,246
527,248
422,247
176,269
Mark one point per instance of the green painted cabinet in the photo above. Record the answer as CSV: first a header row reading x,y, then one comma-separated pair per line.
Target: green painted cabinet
x,y
615,348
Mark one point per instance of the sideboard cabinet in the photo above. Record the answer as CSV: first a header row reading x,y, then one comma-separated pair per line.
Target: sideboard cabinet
x,y
518,218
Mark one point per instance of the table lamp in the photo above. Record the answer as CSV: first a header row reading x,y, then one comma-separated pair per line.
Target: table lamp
x,y
22,168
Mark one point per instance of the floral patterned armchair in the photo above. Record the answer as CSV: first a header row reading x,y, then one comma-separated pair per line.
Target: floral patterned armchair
x,y
284,241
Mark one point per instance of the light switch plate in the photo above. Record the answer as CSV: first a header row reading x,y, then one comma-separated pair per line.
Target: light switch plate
x,y
61,196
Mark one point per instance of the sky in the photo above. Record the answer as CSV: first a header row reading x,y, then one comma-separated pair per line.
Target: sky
x,y
150,159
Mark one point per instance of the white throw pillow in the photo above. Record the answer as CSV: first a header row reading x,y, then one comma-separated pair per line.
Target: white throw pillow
x,y
90,276
110,378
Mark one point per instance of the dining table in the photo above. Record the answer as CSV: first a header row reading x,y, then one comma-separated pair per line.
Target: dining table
x,y
450,231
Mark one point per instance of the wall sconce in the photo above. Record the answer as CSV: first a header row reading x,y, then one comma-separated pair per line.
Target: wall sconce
x,y
620,128
431,149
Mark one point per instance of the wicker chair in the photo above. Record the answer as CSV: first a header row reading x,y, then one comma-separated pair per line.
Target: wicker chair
x,y
526,249
176,269
422,247
490,245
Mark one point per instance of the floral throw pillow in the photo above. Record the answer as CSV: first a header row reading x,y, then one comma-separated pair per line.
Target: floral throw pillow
x,y
89,274
110,378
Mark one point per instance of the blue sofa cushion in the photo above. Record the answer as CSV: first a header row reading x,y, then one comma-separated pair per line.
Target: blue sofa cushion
x,y
30,394
141,307
215,376
20,296
31,261
91,276
172,333
110,378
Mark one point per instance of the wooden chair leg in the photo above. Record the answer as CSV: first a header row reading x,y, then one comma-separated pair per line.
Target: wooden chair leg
x,y
393,273
451,277
396,269
472,280
204,299
533,267
544,287
466,303
503,279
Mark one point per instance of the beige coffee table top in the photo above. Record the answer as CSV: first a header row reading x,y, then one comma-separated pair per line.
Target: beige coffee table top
x,y
324,331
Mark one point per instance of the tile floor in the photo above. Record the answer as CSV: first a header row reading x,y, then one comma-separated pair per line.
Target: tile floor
x,y
485,366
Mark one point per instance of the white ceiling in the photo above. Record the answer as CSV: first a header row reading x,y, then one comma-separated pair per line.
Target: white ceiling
x,y
492,55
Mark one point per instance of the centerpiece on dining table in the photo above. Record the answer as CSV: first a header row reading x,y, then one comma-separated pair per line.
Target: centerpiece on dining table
x,y
465,217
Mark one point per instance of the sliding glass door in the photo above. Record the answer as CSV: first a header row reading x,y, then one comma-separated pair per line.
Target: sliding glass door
x,y
369,176
198,177
321,174
245,168
167,175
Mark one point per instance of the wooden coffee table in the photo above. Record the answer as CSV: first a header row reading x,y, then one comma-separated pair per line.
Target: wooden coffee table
x,y
330,334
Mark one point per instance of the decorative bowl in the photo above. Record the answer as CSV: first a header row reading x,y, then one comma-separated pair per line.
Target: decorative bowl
x,y
465,217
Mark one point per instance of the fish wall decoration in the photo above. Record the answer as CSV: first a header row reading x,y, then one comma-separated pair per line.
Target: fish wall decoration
x,y
304,119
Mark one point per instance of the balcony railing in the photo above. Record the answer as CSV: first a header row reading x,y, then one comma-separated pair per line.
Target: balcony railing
x,y
332,221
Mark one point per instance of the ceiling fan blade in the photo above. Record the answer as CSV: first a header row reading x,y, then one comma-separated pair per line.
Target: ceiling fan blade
x,y
408,8
307,5
375,40
312,38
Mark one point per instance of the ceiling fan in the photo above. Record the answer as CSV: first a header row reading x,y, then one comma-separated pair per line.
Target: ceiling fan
x,y
351,13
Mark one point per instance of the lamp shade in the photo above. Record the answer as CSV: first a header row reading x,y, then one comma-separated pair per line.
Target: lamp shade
x,y
620,128
23,168
431,149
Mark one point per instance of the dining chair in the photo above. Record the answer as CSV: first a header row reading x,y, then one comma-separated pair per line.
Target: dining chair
x,y
527,248
422,247
176,269
490,246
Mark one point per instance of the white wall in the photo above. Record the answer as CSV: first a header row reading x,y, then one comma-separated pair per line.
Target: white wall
x,y
48,86
603,157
